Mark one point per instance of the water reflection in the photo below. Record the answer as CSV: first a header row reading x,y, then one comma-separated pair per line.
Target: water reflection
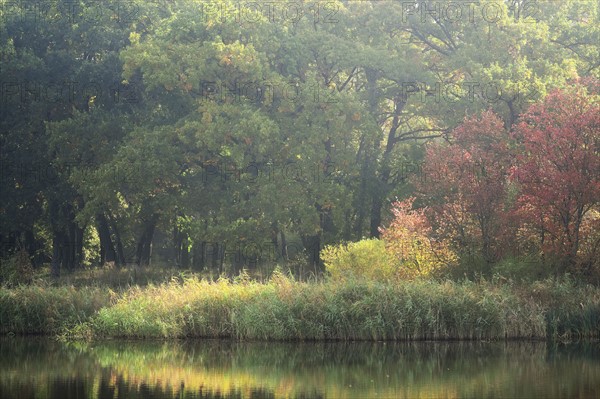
x,y
39,368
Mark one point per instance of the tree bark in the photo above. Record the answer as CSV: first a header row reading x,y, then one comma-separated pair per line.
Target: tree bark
x,y
72,247
107,248
31,246
144,246
185,254
383,179
284,250
120,253
216,264
67,240
362,198
177,245
198,262
312,244
56,255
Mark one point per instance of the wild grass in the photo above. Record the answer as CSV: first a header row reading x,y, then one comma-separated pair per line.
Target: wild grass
x,y
284,309
39,309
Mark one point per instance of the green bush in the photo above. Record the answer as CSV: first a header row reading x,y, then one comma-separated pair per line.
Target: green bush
x,y
528,268
365,259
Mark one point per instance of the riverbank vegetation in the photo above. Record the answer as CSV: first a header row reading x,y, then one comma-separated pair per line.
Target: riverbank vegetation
x,y
284,309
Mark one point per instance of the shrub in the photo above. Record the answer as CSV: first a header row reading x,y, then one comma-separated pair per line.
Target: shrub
x,y
410,241
528,268
367,258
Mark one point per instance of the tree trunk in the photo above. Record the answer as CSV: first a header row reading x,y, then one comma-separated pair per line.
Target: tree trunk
x,y
120,259
77,234
376,206
383,178
216,264
198,259
144,246
67,240
312,244
362,197
240,257
31,246
72,247
56,255
284,250
185,254
107,248
177,245
379,194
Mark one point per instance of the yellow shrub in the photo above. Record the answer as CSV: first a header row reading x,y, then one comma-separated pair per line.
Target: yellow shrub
x,y
366,258
408,239
416,254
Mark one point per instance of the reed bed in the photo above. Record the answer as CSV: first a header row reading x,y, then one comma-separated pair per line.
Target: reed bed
x,y
283,309
39,309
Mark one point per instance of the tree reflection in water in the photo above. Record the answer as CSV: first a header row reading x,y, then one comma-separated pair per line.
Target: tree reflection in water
x,y
40,368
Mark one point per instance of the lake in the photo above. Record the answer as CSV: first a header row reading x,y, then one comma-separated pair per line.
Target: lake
x,y
43,368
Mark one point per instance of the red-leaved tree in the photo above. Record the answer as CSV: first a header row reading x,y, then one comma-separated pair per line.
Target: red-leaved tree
x,y
465,185
558,170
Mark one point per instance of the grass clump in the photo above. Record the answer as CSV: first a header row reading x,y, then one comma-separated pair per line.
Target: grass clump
x,y
573,311
36,309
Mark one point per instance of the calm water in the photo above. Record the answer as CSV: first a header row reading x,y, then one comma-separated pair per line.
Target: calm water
x,y
40,368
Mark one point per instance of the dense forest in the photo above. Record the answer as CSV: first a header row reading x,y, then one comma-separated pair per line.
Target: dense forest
x,y
223,135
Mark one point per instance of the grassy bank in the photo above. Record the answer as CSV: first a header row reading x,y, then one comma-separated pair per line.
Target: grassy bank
x,y
283,309
39,309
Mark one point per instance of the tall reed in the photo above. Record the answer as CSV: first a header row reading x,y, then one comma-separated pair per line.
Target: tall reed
x,y
284,309
48,310
354,310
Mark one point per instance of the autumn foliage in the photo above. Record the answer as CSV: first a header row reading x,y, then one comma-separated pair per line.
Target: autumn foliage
x,y
466,185
409,240
558,170
365,259
498,193
407,250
